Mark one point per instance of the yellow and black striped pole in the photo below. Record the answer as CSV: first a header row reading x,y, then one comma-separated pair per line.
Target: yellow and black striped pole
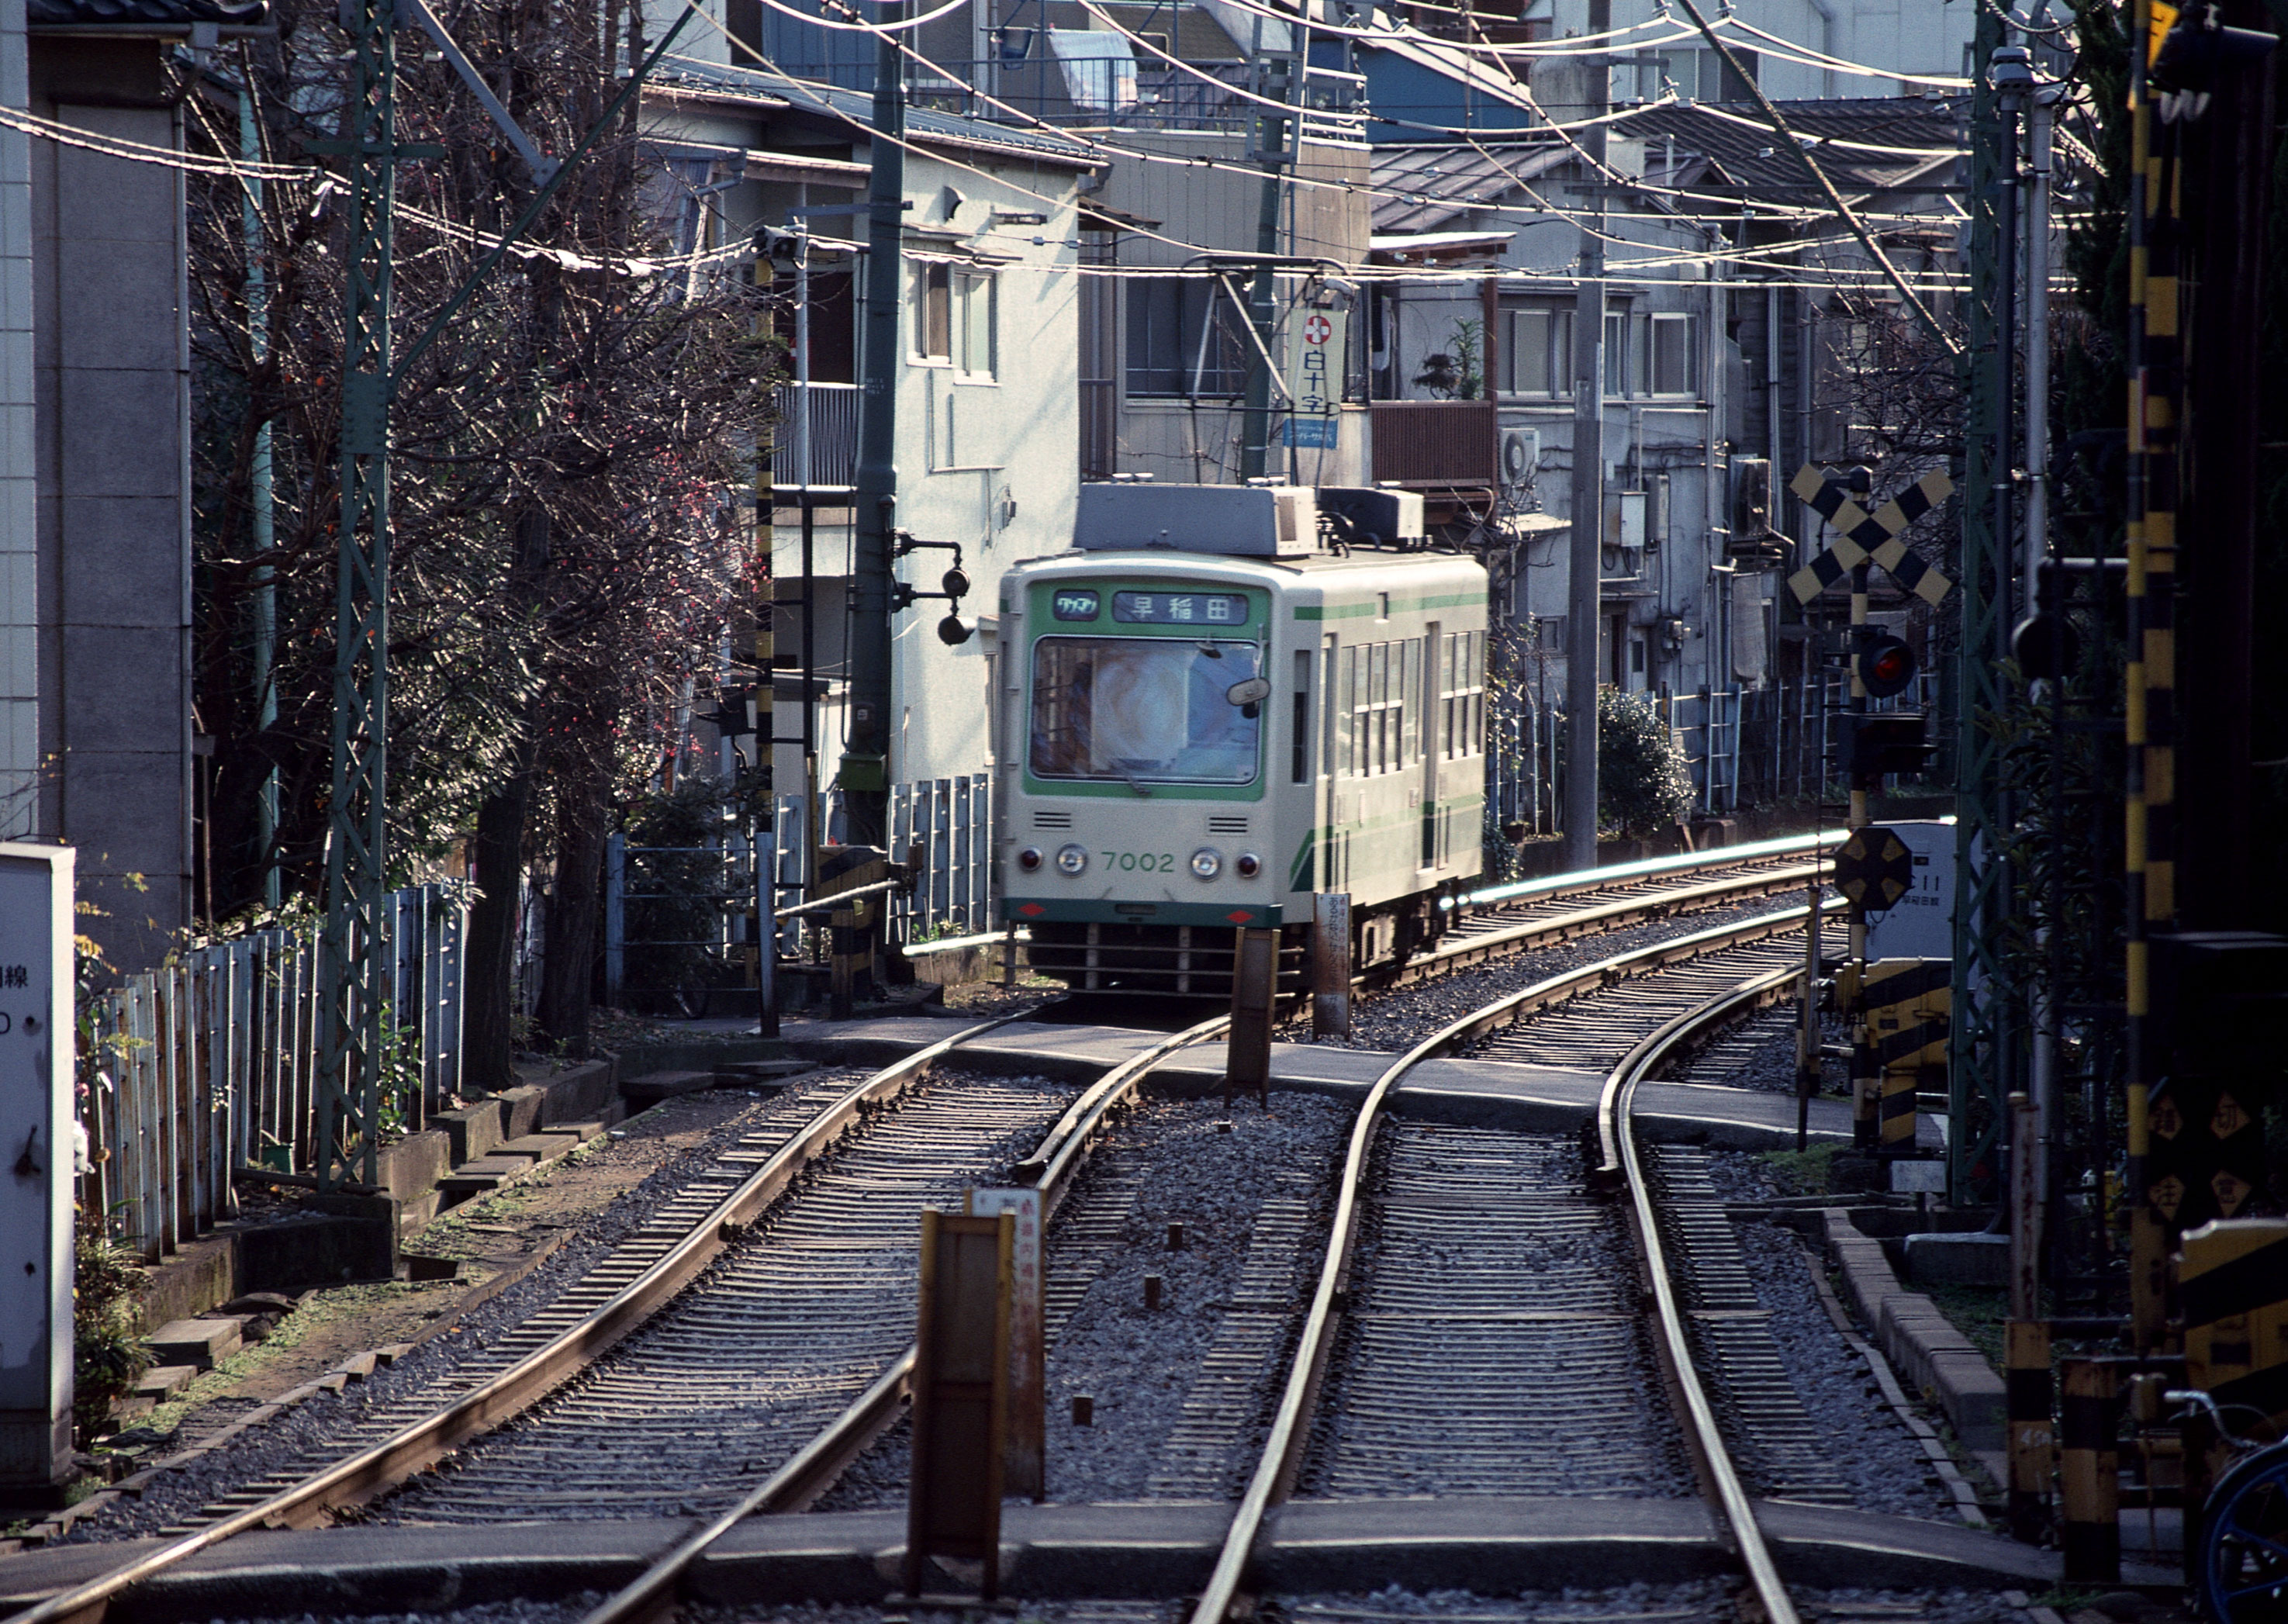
x,y
2026,1386
2089,1472
2149,723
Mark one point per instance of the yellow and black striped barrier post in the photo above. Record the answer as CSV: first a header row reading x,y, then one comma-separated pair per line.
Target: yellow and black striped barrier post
x,y
2089,1471
852,931
1898,1043
2232,1280
2026,1384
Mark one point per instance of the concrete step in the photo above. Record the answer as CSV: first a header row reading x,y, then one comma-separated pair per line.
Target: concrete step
x,y
763,1076
541,1146
200,1344
650,1090
162,1382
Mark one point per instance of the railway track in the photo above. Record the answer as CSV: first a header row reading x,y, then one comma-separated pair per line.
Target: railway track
x,y
811,1294
1539,914
1771,939
876,1184
1477,1324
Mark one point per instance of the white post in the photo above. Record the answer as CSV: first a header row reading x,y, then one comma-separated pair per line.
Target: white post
x,y
38,1033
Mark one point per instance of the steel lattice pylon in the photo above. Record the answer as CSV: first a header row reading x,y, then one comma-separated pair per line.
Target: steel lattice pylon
x,y
1980,1046
349,1078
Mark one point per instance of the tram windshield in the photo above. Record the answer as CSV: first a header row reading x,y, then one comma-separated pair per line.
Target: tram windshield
x,y
1135,709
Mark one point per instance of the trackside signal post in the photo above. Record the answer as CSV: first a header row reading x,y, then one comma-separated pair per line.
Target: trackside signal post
x,y
864,776
37,1030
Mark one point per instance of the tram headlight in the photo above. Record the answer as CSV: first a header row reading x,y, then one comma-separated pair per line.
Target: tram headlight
x,y
1207,862
1072,857
1030,860
1247,864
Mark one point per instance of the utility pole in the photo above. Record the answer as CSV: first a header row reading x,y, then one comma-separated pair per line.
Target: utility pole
x,y
1262,298
864,777
1978,1039
262,517
1584,604
349,1080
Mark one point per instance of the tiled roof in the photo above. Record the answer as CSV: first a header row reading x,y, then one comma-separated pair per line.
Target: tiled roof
x,y
1422,186
1918,139
1862,145
857,107
146,14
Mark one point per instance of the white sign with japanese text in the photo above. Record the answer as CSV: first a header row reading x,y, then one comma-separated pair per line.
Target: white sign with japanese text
x,y
1024,1468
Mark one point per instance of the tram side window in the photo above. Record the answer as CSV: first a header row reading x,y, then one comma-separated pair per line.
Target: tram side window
x,y
1346,713
1410,669
1378,689
1299,768
1461,694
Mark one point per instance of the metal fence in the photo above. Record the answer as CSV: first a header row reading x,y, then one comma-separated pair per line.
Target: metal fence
x,y
706,894
952,818
833,426
209,1063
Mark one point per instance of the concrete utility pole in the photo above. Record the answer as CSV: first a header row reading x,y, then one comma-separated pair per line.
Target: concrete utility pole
x,y
1584,604
865,755
1263,296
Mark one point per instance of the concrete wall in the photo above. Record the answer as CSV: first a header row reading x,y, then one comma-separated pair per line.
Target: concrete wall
x,y
112,377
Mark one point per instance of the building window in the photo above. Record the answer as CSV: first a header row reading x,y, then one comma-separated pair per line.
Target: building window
x,y
1618,374
1672,353
1541,352
954,318
974,294
934,311
1183,339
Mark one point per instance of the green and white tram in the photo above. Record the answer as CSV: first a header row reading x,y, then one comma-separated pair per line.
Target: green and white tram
x,y
1206,716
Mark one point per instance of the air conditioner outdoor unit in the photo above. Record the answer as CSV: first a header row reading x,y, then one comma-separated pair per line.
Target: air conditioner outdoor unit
x,y
1521,456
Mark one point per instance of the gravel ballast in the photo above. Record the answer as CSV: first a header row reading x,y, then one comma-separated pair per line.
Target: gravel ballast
x,y
1703,1601
1172,1388
327,1417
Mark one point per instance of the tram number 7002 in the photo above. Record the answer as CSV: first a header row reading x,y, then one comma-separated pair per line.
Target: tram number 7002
x,y
1142,862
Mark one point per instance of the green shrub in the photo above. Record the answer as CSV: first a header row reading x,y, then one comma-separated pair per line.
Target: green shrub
x,y
108,1357
1643,781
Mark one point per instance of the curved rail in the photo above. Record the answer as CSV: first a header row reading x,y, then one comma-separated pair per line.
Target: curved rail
x,y
1052,1169
373,1471
1722,1479
1275,1473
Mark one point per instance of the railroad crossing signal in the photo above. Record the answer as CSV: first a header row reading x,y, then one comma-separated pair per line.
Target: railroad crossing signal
x,y
1877,538
1874,869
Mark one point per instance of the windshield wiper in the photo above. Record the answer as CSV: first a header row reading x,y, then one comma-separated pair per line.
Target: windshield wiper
x,y
1137,784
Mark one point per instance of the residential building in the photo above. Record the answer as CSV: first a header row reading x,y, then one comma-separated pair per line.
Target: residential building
x,y
989,346
1736,317
96,734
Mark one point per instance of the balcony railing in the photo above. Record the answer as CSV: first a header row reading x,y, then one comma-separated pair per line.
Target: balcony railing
x,y
830,424
1436,444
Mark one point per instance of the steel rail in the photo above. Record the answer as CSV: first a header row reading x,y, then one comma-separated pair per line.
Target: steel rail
x,y
1274,1472
1721,1475
1628,910
1493,899
374,1471
1051,1168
